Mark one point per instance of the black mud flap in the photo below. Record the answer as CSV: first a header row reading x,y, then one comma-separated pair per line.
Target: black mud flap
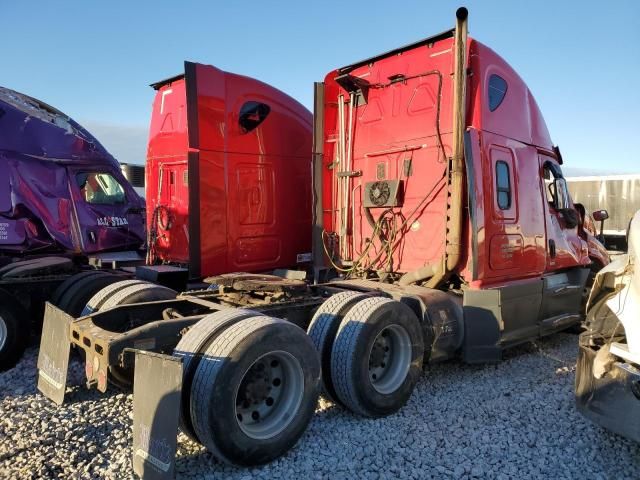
x,y
482,326
156,406
53,358
612,401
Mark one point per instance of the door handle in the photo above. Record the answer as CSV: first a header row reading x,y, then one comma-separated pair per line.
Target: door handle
x,y
564,288
552,248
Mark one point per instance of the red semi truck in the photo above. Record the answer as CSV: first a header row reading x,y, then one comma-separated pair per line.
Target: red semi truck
x,y
71,225
228,161
440,200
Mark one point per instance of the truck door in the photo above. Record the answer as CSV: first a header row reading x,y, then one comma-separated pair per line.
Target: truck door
x,y
107,218
514,233
563,282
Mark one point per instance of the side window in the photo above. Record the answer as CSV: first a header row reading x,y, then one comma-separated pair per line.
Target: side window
x,y
503,185
100,188
497,91
252,114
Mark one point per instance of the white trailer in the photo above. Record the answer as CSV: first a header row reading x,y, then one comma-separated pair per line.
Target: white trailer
x,y
618,194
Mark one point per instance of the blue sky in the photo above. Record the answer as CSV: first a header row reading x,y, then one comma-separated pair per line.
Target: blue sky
x,y
94,60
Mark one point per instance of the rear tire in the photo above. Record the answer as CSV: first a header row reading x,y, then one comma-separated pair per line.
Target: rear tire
x,y
377,355
190,349
262,357
95,303
80,292
62,289
322,331
15,326
137,293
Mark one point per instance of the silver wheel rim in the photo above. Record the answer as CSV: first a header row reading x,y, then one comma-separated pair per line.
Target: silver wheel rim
x,y
3,333
390,359
269,395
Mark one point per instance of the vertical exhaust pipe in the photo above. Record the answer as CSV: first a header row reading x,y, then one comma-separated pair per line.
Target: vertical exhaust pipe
x,y
453,232
454,220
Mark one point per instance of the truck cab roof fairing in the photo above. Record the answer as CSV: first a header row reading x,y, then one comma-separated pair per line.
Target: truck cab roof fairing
x,y
518,116
32,127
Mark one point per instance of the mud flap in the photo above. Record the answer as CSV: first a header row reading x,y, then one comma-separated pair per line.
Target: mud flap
x,y
156,406
53,358
483,325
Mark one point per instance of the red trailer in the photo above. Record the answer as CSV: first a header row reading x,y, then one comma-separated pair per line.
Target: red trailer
x,y
439,199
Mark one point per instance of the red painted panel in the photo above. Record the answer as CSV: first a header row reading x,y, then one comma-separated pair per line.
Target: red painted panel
x,y
402,133
524,220
213,213
247,205
166,192
506,252
570,249
168,126
518,116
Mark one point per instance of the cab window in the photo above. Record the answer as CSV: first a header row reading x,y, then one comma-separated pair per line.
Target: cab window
x,y
252,114
100,188
497,91
503,185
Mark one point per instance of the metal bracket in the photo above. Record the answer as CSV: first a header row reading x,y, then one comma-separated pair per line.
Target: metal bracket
x,y
350,173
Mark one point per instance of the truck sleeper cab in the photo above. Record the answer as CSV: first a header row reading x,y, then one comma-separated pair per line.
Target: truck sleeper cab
x,y
440,200
228,184
385,159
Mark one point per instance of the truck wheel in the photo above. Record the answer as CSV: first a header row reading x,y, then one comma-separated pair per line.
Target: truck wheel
x,y
255,390
137,293
59,292
77,296
14,331
376,358
322,331
190,349
96,302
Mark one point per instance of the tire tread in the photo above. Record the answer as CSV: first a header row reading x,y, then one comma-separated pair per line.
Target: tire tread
x,y
322,331
205,376
343,355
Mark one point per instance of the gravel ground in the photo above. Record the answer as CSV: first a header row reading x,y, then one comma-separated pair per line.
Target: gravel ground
x,y
512,420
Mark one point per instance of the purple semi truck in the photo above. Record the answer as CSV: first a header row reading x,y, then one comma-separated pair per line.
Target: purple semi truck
x,y
68,218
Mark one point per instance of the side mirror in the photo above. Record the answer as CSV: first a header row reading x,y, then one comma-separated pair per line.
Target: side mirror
x,y
600,215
